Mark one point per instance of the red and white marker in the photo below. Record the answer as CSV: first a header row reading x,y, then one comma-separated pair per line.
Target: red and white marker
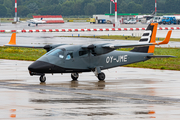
x,y
16,10
85,30
116,13
155,7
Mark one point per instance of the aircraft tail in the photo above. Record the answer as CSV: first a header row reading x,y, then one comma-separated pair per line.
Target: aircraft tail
x,y
149,36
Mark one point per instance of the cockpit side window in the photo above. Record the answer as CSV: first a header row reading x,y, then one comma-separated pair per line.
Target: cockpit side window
x,y
58,53
69,56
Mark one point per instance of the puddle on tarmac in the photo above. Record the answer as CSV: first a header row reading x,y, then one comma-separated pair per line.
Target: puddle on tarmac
x,y
73,100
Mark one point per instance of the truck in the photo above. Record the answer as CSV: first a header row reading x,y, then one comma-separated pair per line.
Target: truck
x,y
170,20
156,19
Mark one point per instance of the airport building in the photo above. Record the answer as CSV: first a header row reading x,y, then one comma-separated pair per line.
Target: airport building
x,y
110,18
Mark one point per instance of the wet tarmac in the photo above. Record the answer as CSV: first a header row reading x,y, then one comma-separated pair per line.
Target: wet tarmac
x,y
127,93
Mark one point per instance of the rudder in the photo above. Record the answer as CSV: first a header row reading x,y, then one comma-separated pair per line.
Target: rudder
x,y
149,36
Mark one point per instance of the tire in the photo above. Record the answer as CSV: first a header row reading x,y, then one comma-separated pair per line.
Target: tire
x,y
75,77
101,76
42,78
28,24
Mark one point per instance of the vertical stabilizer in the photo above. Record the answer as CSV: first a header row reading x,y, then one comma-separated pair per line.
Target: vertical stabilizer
x,y
149,36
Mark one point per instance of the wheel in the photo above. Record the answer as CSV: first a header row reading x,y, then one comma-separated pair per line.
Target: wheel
x,y
42,78
36,24
28,24
101,76
74,76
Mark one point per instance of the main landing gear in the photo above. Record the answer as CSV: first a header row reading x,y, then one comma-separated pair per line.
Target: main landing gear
x,y
100,75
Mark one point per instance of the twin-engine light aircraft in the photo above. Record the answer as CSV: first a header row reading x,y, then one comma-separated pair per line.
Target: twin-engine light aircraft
x,y
75,59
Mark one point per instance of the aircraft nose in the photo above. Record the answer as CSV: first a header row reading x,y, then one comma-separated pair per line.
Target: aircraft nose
x,y
40,67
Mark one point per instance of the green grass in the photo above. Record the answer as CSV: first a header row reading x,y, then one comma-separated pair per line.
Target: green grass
x,y
15,53
120,37
31,54
161,63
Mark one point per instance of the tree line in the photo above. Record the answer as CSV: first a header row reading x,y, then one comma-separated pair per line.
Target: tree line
x,y
27,8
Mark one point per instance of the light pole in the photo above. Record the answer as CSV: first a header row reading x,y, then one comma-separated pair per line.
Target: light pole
x,y
116,24
16,19
155,7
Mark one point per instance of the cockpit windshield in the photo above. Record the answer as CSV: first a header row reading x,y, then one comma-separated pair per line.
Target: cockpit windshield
x,y
57,52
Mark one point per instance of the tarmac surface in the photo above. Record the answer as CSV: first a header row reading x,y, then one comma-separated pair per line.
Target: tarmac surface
x,y
127,93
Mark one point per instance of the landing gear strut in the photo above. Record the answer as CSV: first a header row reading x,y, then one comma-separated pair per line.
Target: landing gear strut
x,y
100,75
74,76
42,78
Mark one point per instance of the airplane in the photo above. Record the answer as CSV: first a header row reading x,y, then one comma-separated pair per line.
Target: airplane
x,y
75,59
34,21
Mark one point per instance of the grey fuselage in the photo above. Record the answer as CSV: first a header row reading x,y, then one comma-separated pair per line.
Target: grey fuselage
x,y
72,58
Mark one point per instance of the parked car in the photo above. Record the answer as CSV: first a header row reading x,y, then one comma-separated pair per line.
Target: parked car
x,y
131,21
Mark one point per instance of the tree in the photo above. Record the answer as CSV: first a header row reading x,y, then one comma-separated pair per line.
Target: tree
x,y
67,8
90,9
78,8
32,7
123,7
8,3
148,6
1,1
23,11
3,10
102,7
133,7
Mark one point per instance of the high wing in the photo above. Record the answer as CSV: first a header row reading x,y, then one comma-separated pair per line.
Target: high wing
x,y
145,45
12,43
165,41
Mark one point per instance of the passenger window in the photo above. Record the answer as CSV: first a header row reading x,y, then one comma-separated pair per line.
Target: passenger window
x,y
69,56
81,53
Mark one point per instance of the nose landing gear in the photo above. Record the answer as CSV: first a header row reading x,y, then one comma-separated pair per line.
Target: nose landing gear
x,y
42,78
74,76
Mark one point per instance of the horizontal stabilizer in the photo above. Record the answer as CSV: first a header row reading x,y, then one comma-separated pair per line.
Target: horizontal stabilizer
x,y
166,40
161,56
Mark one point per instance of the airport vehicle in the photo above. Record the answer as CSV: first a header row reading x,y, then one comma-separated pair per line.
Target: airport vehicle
x,y
146,18
156,19
34,21
170,20
75,59
93,20
131,21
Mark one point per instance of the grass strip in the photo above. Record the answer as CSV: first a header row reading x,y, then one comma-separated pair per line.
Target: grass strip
x,y
31,54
